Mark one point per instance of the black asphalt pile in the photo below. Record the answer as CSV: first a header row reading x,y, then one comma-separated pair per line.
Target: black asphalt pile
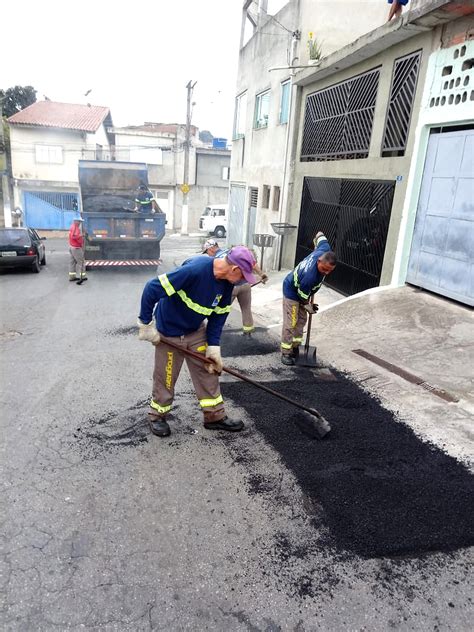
x,y
234,342
383,491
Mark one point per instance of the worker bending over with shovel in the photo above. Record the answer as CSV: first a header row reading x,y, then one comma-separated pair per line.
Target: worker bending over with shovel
x,y
242,291
298,288
174,306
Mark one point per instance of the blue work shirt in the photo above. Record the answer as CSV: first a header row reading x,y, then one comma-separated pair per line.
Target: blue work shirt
x,y
185,297
306,279
144,201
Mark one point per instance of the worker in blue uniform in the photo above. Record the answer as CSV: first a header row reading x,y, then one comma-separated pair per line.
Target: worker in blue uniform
x,y
299,286
145,202
174,306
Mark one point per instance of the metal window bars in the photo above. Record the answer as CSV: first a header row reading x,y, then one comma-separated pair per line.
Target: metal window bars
x,y
338,120
354,215
400,106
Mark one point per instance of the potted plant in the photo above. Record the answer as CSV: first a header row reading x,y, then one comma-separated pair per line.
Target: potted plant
x,y
314,48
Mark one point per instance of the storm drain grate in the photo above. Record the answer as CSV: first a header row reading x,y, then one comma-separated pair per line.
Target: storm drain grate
x,y
406,375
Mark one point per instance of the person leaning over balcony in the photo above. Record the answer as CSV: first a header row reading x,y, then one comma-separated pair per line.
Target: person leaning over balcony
x,y
396,8
76,251
298,288
174,306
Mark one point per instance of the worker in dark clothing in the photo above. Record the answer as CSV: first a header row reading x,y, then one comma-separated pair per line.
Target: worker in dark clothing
x,y
145,202
298,288
181,301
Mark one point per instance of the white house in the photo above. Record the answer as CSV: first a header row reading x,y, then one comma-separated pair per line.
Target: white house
x,y
47,141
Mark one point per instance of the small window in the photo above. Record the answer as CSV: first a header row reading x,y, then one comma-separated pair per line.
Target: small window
x,y
240,116
285,102
276,199
266,196
225,173
221,212
49,154
262,109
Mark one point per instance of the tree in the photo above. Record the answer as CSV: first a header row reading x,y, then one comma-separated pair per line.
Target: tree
x,y
16,99
205,136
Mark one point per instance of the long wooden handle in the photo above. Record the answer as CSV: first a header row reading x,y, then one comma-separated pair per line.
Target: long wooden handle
x,y
241,376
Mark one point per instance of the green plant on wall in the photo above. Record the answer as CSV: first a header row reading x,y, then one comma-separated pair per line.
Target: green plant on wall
x,y
314,47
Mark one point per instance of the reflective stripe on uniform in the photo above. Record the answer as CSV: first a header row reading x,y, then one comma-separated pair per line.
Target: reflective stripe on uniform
x,y
166,285
72,274
222,310
202,348
159,408
298,339
294,316
205,311
246,328
206,403
297,285
285,345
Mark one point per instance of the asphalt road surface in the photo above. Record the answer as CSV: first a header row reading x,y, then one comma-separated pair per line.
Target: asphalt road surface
x,y
107,527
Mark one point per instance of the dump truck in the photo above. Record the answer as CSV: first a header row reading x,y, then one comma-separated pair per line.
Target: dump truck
x,y
115,234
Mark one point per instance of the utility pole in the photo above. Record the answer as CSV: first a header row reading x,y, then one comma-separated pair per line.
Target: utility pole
x,y
185,186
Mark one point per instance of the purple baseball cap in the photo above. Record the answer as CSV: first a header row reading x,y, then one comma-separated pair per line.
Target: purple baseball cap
x,y
242,257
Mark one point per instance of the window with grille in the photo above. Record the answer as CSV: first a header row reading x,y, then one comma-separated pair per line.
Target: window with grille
x,y
400,105
285,102
240,116
338,120
262,109
253,197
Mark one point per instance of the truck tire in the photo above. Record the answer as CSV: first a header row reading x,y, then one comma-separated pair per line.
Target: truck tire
x,y
219,231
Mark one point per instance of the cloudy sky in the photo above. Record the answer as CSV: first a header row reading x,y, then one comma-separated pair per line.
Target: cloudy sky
x,y
135,57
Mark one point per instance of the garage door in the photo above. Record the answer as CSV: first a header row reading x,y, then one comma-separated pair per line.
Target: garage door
x,y
441,258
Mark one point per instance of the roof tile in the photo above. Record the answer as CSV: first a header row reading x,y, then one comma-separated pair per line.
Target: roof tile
x,y
85,118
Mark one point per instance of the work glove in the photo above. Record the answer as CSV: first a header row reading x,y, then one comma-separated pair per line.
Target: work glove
x,y
148,332
311,308
264,278
214,353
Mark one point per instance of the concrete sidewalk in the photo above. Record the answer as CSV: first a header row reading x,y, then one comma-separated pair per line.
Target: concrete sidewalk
x,y
413,349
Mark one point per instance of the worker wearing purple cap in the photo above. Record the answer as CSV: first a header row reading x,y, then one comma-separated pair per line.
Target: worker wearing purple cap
x,y
175,306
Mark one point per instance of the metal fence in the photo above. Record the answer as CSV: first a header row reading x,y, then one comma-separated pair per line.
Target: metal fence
x,y
354,215
402,95
338,120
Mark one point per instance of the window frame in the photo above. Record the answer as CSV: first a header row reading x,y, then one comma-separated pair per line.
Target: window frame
x,y
240,116
283,84
258,102
49,149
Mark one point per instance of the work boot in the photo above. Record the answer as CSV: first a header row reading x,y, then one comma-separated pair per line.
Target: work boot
x,y
225,424
159,426
295,352
288,360
81,281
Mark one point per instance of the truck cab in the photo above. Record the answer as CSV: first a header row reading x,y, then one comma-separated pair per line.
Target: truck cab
x,y
213,221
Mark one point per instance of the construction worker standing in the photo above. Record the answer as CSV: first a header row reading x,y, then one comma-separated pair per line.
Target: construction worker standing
x,y
181,301
298,288
76,251
242,291
145,202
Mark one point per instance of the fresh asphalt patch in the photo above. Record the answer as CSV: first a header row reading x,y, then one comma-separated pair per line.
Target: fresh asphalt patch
x,y
382,490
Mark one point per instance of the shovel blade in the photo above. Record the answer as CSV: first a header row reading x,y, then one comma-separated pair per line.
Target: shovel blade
x,y
307,357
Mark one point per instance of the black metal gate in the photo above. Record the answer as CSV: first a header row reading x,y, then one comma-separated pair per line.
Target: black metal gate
x,y
354,215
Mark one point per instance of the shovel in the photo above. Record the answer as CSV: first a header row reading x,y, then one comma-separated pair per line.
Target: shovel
x,y
308,357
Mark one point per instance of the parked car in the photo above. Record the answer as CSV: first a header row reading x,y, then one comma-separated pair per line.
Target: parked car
x,y
213,221
22,248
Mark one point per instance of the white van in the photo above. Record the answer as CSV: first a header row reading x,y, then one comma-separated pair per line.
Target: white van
x,y
213,221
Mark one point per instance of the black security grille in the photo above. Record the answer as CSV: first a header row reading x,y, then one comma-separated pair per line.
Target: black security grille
x,y
402,95
338,120
354,215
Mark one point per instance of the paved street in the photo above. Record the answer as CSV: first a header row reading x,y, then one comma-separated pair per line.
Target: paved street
x,y
108,528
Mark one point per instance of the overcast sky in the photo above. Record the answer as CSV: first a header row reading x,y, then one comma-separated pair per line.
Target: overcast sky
x,y
135,57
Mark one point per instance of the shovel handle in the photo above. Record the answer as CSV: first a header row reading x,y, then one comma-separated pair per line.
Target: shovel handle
x,y
240,376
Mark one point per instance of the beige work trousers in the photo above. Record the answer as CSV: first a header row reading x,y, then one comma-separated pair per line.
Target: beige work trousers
x,y
294,320
168,363
243,294
76,263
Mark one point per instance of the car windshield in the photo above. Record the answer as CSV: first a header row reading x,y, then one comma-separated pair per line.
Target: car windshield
x,y
207,211
13,237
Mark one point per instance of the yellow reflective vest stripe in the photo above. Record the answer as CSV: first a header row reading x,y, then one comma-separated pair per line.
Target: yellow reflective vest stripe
x,y
207,403
159,408
166,285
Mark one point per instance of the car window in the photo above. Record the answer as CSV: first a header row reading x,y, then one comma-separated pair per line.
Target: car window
x,y
221,212
35,235
14,237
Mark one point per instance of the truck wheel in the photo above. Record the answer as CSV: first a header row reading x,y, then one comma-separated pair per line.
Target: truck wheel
x,y
220,231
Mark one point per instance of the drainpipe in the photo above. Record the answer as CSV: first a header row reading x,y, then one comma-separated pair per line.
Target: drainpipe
x,y
283,211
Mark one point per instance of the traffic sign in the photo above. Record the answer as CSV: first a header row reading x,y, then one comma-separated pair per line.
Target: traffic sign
x,y
185,188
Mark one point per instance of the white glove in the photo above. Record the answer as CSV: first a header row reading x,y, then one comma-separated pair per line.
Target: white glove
x,y
148,332
214,353
311,308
